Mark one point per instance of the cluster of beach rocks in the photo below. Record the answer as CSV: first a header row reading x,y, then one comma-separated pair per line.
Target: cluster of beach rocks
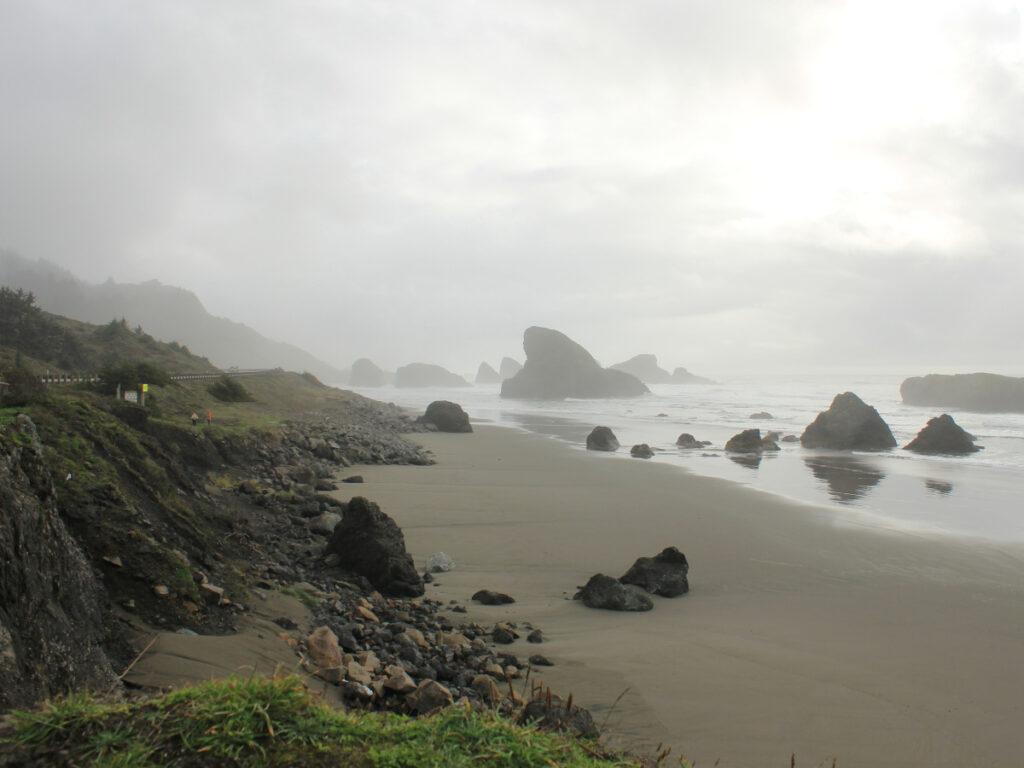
x,y
849,424
665,575
404,655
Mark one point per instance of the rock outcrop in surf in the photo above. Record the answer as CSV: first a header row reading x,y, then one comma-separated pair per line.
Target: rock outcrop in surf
x,y
849,424
979,392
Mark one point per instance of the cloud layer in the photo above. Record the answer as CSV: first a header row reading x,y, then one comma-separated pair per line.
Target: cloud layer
x,y
730,185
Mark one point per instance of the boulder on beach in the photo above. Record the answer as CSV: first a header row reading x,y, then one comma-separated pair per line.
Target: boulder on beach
x,y
750,441
645,368
485,374
641,451
416,375
366,374
489,597
942,435
980,392
446,416
602,439
849,424
557,367
664,574
610,594
683,376
761,415
371,544
686,440
509,368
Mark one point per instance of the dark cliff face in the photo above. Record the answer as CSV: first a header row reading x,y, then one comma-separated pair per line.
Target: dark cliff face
x,y
51,606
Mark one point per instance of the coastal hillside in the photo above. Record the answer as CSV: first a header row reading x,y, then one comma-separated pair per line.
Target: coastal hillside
x,y
166,312
51,344
147,547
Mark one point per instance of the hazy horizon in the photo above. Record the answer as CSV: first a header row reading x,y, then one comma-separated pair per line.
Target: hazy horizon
x,y
734,187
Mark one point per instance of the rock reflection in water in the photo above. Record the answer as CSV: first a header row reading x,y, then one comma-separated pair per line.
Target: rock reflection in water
x,y
750,460
848,477
938,486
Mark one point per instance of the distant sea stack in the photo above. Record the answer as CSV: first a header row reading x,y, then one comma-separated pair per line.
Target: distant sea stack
x,y
645,368
427,375
979,392
557,367
683,376
509,368
366,374
485,374
849,424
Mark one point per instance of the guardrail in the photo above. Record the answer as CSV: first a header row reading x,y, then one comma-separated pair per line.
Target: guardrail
x,y
89,378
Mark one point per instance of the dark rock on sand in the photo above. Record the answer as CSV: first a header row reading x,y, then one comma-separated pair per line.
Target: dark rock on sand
x,y
664,574
943,435
540,661
641,451
557,367
610,594
370,544
790,439
602,439
485,374
535,637
848,424
750,441
686,440
762,415
427,375
503,636
446,416
366,374
980,392
645,368
487,597
352,479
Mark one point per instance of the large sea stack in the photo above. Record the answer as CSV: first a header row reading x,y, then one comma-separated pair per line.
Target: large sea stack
x,y
849,424
557,367
980,392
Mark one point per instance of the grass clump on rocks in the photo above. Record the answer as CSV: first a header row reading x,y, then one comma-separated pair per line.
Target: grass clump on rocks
x,y
261,721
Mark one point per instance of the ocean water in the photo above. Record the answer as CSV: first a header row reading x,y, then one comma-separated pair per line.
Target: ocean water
x,y
981,495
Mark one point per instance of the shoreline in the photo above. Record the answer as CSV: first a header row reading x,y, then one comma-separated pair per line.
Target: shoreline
x,y
798,635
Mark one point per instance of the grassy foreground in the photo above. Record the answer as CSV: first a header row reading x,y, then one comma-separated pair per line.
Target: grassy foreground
x,y
261,721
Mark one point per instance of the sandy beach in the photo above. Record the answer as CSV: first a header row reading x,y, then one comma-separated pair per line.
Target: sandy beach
x,y
798,635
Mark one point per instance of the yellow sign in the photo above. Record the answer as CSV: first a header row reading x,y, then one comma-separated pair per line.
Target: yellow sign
x,y
145,387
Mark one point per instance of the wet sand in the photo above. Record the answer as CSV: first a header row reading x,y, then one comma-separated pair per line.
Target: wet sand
x,y
798,636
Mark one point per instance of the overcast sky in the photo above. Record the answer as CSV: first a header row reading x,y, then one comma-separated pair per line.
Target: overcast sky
x,y
731,185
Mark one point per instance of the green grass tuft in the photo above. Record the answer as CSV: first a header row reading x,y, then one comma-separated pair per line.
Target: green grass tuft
x,y
261,721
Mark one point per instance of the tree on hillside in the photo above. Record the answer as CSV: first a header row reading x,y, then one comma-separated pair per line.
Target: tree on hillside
x,y
130,375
